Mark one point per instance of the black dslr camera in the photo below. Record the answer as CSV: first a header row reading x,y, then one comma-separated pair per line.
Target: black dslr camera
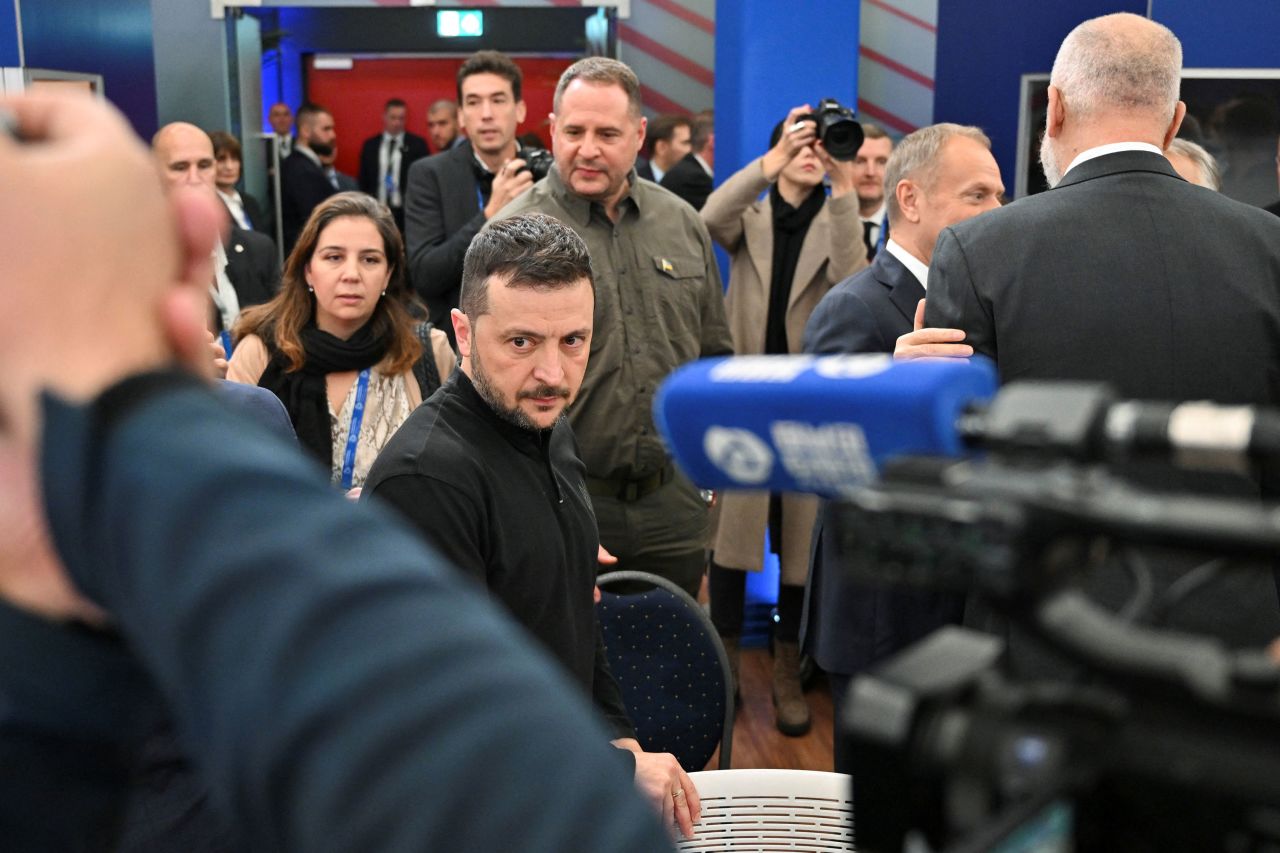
x,y
538,161
839,131
1145,737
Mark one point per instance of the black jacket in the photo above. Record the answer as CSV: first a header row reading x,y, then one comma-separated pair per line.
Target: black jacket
x,y
252,266
412,149
303,185
689,180
443,210
509,507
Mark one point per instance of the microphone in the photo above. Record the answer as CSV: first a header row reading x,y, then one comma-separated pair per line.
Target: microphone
x,y
817,424
827,425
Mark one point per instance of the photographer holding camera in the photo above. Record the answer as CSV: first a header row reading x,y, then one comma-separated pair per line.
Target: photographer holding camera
x,y
452,195
807,242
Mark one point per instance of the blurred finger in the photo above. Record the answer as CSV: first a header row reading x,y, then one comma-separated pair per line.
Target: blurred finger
x,y
682,818
691,795
919,322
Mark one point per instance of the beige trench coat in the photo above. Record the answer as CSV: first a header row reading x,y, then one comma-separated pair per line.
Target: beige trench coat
x,y
742,222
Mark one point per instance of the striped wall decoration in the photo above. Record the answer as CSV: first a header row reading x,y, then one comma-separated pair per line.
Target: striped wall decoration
x,y
896,63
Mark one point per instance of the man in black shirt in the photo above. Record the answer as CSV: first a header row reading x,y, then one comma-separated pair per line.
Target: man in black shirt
x,y
488,467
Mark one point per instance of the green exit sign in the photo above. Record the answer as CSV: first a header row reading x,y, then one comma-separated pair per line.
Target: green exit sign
x,y
451,23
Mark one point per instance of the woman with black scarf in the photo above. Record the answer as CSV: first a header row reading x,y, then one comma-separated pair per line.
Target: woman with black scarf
x,y
337,344
788,249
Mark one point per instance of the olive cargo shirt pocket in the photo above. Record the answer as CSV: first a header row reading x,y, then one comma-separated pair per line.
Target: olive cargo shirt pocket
x,y
675,306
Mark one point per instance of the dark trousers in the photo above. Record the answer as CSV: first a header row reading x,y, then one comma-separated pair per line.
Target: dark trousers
x,y
663,533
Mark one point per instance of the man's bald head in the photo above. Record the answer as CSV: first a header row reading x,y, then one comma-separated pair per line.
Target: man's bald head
x,y
1115,80
1120,63
185,155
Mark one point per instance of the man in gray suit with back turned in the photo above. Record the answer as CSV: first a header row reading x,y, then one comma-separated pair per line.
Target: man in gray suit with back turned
x,y
1124,272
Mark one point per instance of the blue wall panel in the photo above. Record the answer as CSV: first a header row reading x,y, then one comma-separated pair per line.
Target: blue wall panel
x,y
9,53
984,48
1225,34
771,56
112,39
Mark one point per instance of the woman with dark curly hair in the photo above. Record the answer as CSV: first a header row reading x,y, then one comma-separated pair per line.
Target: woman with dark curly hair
x,y
338,344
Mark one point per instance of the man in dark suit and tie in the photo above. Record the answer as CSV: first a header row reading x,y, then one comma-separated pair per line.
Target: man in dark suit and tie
x,y
937,176
1123,272
385,159
303,182
453,194
691,176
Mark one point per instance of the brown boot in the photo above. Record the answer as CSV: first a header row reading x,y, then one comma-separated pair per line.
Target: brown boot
x,y
731,652
790,706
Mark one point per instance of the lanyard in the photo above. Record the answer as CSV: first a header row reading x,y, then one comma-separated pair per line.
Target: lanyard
x,y
479,197
226,342
353,433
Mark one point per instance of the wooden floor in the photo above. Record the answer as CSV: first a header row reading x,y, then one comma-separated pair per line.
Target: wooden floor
x,y
757,741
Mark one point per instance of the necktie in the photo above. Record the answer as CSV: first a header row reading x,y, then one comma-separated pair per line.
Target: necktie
x,y
388,179
867,228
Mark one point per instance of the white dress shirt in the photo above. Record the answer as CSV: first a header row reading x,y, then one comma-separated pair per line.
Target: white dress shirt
x,y
223,293
1111,148
389,170
235,206
877,222
917,267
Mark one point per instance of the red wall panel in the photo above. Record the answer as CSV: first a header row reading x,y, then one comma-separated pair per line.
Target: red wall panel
x,y
356,97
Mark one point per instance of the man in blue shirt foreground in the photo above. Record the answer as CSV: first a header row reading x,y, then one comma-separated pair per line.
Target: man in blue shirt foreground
x,y
339,688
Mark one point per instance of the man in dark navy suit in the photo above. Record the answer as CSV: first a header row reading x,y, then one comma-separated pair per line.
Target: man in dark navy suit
x,y
937,176
692,176
303,180
385,159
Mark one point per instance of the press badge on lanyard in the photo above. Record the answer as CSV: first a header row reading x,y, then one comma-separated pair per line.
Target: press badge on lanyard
x,y
353,433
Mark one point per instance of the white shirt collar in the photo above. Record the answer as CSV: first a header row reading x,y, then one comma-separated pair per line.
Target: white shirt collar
x,y
917,267
657,173
705,166
1111,148
877,217
221,289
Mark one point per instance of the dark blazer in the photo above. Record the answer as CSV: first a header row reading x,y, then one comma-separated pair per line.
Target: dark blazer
x,y
303,185
1127,273
442,213
689,180
73,696
412,149
643,169
252,266
1124,272
848,626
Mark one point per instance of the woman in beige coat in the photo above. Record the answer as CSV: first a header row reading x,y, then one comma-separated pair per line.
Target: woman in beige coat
x,y
788,249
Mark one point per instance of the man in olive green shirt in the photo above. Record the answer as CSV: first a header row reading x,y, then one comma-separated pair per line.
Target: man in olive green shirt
x,y
659,304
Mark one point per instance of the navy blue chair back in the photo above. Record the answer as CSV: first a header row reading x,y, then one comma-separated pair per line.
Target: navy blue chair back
x,y
671,667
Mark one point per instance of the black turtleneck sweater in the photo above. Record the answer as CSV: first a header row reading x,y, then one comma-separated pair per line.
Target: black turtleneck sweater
x,y
509,507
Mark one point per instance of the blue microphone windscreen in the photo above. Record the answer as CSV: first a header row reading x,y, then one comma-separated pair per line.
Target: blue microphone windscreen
x,y
820,424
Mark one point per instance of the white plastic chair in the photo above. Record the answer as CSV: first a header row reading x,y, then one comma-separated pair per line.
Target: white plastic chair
x,y
768,810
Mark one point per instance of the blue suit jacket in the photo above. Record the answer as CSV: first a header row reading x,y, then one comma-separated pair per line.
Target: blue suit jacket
x,y
321,662
850,625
